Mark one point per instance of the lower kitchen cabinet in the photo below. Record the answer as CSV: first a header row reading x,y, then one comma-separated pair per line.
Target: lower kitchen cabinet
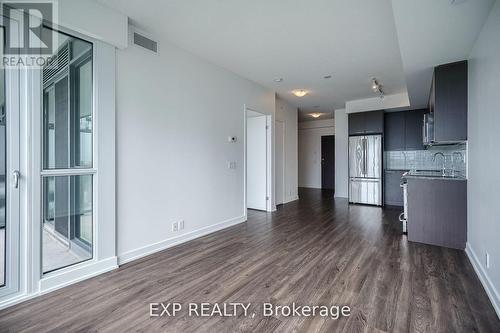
x,y
393,193
437,212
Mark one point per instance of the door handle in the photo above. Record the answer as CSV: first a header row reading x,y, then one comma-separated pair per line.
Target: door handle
x,y
16,175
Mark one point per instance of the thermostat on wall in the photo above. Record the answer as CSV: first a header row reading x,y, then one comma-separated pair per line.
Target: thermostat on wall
x,y
232,139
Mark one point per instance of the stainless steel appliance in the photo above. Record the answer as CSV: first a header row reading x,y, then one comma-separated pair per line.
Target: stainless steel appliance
x,y
428,129
365,169
403,218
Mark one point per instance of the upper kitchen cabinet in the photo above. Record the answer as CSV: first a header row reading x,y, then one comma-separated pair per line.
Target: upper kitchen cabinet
x,y
413,129
448,103
366,123
394,134
403,130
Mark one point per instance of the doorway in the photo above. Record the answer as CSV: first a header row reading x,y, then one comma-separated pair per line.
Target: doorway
x,y
328,162
258,143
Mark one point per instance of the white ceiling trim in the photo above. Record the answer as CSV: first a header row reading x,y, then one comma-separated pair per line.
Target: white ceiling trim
x,y
376,103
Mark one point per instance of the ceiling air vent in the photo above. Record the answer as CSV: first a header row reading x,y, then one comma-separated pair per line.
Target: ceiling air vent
x,y
145,42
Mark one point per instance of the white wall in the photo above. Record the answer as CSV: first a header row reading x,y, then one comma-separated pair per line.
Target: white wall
x,y
289,116
484,158
341,154
310,133
94,20
174,114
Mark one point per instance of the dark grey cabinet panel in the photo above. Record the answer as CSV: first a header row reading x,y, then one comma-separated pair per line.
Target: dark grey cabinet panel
x,y
394,134
448,101
437,212
357,123
414,121
374,122
366,123
393,193
403,130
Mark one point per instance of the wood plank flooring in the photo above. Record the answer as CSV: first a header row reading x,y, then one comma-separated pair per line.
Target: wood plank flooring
x,y
316,251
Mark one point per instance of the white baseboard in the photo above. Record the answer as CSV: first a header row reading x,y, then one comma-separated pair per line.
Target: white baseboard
x,y
493,294
291,199
167,243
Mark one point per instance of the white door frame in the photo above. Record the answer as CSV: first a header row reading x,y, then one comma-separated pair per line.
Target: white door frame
x,y
270,203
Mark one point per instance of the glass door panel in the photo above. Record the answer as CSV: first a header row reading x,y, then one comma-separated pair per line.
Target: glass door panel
x,y
10,180
67,172
3,173
67,239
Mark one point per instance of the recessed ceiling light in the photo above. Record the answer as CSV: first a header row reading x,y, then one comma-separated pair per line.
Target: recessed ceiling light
x,y
300,92
278,79
327,76
315,115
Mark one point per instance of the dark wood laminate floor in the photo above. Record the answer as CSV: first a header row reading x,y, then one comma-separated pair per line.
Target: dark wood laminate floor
x,y
313,251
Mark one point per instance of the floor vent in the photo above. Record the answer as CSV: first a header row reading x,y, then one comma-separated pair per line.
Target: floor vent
x,y
145,42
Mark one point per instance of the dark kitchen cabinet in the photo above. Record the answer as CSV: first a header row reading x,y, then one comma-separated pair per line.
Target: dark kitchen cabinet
x,y
366,123
393,193
374,122
356,123
403,130
437,212
413,129
448,102
394,134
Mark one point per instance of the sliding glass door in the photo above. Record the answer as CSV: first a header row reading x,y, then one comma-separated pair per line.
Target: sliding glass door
x,y
68,168
10,178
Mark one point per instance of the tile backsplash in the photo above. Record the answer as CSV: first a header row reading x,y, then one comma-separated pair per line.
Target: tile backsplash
x,y
424,159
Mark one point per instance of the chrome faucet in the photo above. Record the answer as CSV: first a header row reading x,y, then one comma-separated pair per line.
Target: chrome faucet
x,y
453,160
444,161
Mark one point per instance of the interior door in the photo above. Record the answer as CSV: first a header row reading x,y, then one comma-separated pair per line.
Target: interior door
x,y
279,161
10,178
328,162
257,163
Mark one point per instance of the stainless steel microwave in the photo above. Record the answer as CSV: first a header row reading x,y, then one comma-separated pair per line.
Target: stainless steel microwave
x,y
428,129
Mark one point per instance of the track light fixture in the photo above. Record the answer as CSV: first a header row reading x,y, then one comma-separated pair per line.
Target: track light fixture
x,y
377,88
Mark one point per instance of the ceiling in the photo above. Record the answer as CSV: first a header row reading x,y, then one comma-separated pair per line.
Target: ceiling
x,y
303,41
434,32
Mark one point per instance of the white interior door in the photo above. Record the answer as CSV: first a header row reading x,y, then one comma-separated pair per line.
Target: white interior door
x,y
280,162
257,163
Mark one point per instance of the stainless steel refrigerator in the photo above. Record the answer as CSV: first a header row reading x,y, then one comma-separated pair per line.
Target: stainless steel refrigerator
x,y
365,169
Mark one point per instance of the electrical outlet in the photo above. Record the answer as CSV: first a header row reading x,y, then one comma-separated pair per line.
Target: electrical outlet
x,y
487,260
175,227
181,225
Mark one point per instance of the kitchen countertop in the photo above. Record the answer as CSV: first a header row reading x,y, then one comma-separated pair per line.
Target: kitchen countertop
x,y
433,175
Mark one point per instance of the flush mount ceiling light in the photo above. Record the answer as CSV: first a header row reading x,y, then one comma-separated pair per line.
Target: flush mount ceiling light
x,y
377,88
300,92
278,79
315,115
327,76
